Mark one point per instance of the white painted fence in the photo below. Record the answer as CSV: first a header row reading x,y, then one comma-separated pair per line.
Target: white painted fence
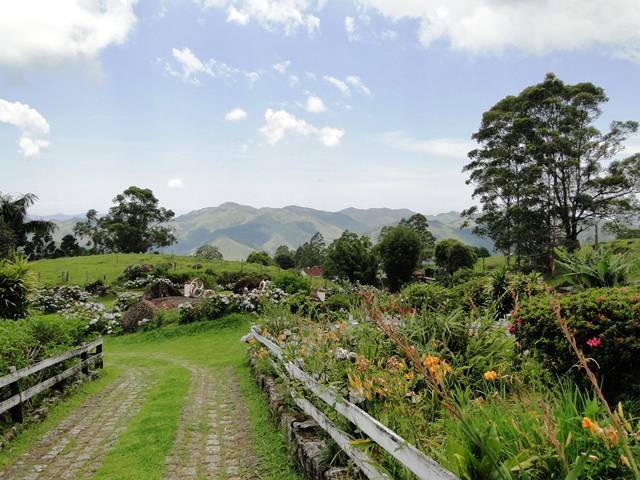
x,y
424,467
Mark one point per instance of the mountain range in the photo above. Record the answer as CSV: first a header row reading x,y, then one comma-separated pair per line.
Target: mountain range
x,y
240,229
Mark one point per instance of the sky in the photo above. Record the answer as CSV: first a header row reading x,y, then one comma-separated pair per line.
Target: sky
x,y
320,103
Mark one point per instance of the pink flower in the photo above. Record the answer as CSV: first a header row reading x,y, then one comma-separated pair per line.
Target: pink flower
x,y
594,342
511,328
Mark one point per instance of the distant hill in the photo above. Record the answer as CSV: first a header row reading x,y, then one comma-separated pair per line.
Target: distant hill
x,y
240,229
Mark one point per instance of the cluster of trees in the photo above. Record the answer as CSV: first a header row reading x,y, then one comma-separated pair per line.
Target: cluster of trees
x,y
31,237
544,172
401,250
135,224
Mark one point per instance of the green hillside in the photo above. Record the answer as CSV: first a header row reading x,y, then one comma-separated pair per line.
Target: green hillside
x,y
109,267
237,230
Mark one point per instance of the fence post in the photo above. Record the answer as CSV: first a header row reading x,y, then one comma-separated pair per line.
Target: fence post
x,y
83,356
16,412
100,362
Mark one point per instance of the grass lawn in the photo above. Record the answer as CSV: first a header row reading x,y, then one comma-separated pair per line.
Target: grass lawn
x,y
87,269
142,448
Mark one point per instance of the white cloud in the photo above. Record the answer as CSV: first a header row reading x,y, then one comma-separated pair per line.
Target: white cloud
x,y
191,65
235,115
490,26
437,147
357,82
236,16
293,80
344,85
339,84
282,67
50,33
350,28
273,15
190,68
279,123
175,184
33,125
315,105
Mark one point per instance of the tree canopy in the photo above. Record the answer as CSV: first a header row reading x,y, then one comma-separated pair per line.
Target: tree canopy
x,y
135,224
400,250
284,257
544,172
15,226
452,255
351,257
209,252
311,253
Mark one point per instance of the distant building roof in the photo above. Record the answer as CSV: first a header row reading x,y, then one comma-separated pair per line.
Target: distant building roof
x,y
315,271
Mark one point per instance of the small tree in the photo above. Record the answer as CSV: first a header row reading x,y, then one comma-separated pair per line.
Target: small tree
x,y
452,255
311,253
284,257
209,252
351,257
69,246
400,250
13,215
261,258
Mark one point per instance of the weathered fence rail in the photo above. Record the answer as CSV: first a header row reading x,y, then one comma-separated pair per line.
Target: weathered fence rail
x,y
424,467
18,396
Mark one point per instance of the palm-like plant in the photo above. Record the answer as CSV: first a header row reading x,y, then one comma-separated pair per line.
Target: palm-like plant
x,y
599,267
13,214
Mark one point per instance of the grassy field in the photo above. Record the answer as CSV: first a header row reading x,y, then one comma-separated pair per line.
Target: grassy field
x,y
87,269
142,448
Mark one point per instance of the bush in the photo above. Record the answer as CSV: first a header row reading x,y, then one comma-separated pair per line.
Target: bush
x,y
56,299
336,303
15,284
261,258
247,283
209,252
28,341
472,294
209,309
229,278
292,283
138,270
428,296
606,327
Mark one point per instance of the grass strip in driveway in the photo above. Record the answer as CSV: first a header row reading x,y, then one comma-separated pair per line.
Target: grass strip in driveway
x,y
142,448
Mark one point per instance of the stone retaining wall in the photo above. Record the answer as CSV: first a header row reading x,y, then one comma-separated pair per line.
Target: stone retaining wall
x,y
312,448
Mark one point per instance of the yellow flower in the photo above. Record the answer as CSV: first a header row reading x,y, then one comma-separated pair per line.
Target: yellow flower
x,y
490,375
592,426
430,361
408,376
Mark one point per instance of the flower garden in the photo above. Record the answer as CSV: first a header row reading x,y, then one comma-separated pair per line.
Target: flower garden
x,y
494,376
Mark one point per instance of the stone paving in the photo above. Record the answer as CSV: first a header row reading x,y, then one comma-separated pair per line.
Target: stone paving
x,y
76,447
212,440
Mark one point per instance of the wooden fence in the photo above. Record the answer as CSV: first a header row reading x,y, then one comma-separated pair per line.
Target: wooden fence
x,y
424,467
18,396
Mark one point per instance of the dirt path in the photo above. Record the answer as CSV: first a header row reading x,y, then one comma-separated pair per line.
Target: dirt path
x,y
212,440
76,447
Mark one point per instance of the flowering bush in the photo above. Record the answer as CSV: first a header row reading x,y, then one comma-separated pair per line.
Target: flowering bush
x,y
55,299
124,300
95,318
605,323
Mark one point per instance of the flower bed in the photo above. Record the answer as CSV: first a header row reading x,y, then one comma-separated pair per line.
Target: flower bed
x,y
458,387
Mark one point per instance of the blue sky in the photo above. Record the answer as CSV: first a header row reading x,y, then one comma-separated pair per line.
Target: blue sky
x,y
326,104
